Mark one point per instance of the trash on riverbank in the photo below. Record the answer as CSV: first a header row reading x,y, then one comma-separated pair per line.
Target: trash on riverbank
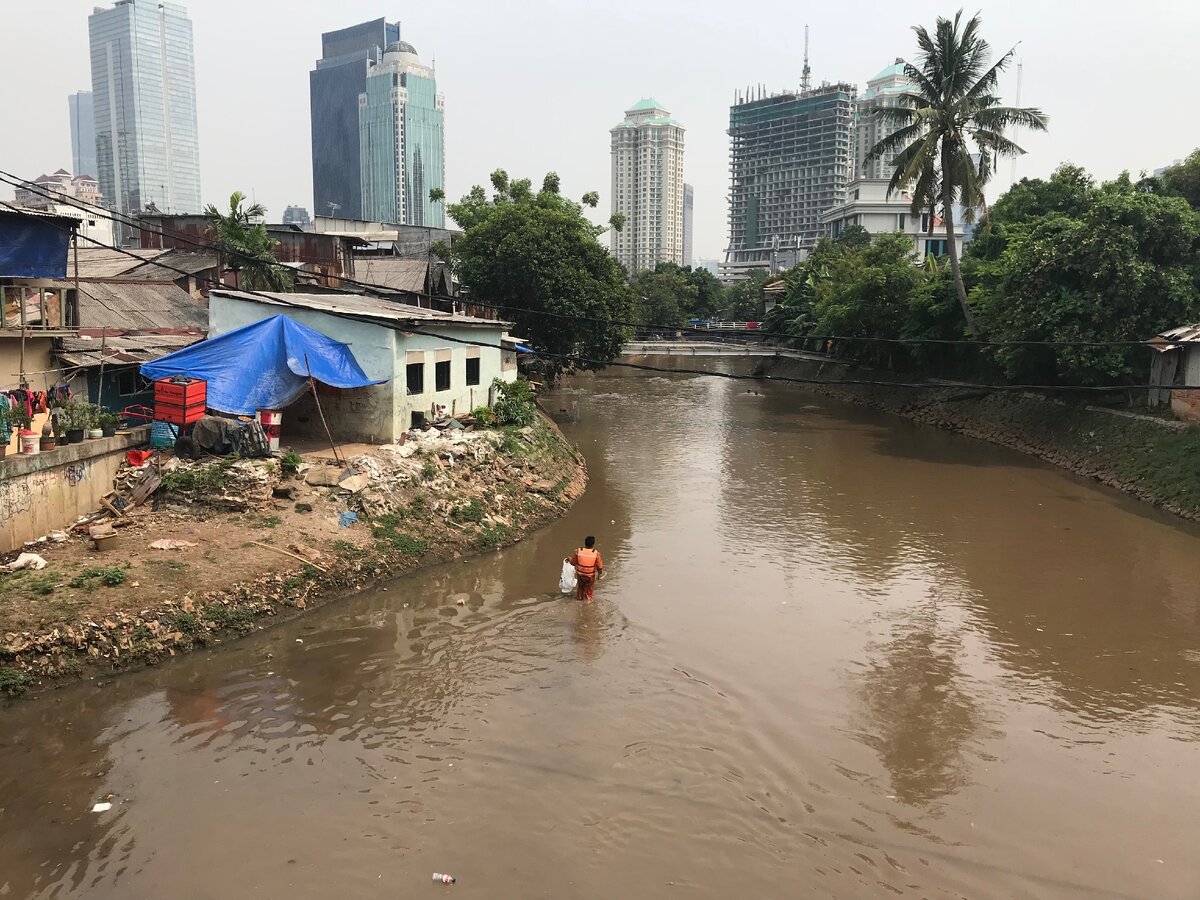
x,y
444,878
171,544
25,561
101,807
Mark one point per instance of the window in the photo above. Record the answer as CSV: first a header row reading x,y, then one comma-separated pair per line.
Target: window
x,y
416,378
129,382
937,248
441,376
903,219
473,371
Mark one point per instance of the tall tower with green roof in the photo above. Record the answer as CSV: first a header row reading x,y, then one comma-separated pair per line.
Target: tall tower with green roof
x,y
647,187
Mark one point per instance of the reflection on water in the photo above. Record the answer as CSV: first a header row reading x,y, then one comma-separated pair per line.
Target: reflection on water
x,y
835,654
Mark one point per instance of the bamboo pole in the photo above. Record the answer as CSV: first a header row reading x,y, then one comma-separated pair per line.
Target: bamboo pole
x,y
307,562
317,400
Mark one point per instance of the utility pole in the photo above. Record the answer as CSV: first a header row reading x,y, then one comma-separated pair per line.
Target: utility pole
x,y
1016,130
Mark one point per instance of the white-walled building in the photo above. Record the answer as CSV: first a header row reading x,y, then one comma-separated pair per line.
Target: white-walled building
x,y
422,368
54,194
869,205
647,187
887,89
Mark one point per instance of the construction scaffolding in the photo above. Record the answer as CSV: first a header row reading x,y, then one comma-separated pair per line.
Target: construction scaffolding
x,y
790,159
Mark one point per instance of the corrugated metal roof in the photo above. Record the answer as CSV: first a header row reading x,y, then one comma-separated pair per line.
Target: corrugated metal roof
x,y
99,262
360,306
164,266
1170,340
125,349
137,305
392,272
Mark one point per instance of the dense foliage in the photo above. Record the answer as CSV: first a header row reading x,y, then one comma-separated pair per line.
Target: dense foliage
x,y
1060,260
535,258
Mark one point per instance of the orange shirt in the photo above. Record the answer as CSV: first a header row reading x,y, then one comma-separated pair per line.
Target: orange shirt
x,y
587,562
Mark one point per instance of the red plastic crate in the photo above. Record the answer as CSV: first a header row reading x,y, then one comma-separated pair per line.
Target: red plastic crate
x,y
180,401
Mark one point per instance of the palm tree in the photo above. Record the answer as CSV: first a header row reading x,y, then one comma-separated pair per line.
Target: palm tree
x,y
953,106
241,234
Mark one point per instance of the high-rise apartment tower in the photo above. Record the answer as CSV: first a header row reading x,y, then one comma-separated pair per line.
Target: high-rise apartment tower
x,y
887,89
144,107
647,187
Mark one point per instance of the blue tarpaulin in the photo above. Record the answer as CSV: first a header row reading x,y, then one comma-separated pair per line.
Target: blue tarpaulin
x,y
264,365
33,246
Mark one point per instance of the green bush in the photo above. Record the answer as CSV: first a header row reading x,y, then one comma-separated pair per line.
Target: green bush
x,y
289,462
110,577
13,681
468,512
514,402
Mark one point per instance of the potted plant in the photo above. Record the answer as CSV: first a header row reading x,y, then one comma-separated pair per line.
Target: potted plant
x,y
108,424
94,431
60,424
78,416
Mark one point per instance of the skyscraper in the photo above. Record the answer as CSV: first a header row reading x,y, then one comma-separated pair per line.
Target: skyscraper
x,y
401,140
334,88
886,89
647,187
144,98
689,202
789,160
83,134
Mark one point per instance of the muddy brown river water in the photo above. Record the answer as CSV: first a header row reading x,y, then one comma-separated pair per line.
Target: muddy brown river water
x,y
836,655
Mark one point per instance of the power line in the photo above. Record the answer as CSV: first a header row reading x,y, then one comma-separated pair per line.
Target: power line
x,y
645,326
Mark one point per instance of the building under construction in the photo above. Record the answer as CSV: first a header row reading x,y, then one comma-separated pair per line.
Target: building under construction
x,y
790,159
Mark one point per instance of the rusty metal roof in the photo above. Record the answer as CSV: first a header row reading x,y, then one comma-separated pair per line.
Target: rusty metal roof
x,y
1176,337
137,305
360,306
167,266
392,272
121,350
100,262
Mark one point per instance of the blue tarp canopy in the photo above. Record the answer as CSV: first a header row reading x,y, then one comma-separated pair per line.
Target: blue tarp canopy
x,y
264,365
33,246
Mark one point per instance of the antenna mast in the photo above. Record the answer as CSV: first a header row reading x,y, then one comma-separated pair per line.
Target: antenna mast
x,y
1016,130
806,72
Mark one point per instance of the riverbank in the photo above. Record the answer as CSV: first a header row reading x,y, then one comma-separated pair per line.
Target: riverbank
x,y
1156,460
248,545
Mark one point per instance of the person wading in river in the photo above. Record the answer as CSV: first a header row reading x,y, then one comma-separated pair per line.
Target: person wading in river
x,y
588,567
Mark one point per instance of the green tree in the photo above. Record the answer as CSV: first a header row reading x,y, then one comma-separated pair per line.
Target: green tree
x,y
1069,191
247,246
853,236
1123,268
1183,180
537,259
664,296
743,299
954,108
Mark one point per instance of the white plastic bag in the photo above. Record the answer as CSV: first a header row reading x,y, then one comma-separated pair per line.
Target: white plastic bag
x,y
566,581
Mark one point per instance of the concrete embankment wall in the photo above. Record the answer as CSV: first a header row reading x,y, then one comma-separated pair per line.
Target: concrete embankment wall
x,y
45,492
1157,460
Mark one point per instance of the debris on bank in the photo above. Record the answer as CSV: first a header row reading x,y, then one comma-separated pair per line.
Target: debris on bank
x,y
210,549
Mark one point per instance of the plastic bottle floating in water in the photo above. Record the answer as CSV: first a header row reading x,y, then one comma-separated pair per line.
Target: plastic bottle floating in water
x,y
444,879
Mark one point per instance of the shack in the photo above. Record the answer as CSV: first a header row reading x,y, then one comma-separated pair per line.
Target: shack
x,y
426,362
1176,364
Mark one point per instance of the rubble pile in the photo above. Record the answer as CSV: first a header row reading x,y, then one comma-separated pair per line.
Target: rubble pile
x,y
234,485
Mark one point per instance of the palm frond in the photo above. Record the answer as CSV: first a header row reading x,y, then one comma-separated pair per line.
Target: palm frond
x,y
1000,118
895,141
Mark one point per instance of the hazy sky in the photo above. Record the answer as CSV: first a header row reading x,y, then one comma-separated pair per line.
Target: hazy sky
x,y
535,85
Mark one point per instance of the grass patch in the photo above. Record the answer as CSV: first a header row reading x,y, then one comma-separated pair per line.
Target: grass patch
x,y
186,622
429,472
109,577
469,512
290,462
270,521
13,681
224,617
385,531
43,585
345,546
491,536
208,479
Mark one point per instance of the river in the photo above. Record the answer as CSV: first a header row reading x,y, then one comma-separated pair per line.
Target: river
x,y
836,654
